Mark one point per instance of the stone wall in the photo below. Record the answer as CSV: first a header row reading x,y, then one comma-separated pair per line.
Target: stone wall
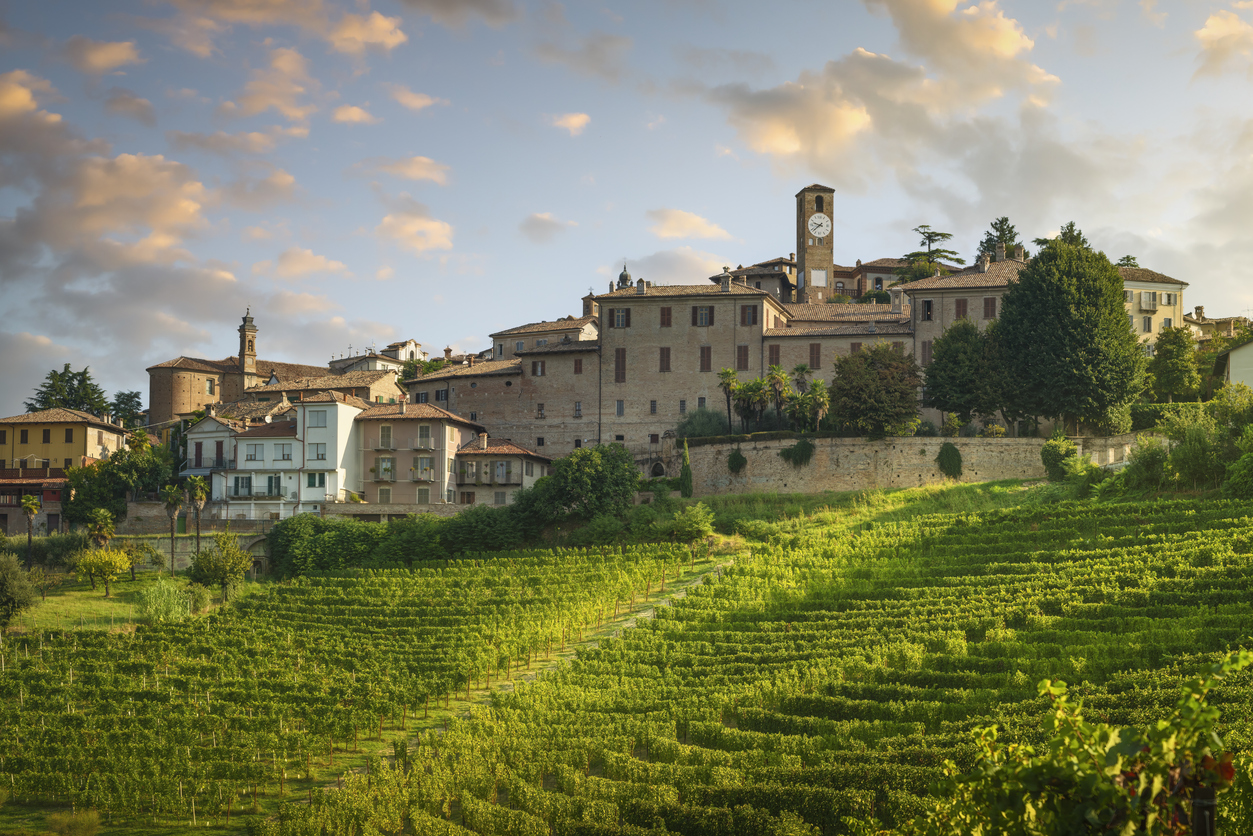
x,y
144,517
1111,449
373,512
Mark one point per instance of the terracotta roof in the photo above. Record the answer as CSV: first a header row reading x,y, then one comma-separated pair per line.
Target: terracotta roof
x,y
331,396
231,365
361,377
1000,274
498,447
881,329
542,327
61,415
836,311
230,424
50,484
814,186
251,410
414,412
762,268
1140,274
685,290
572,347
278,429
511,366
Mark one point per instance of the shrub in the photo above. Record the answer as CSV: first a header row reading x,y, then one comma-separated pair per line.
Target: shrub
x,y
415,537
702,421
950,460
1239,484
1054,454
952,426
927,429
799,454
198,597
16,593
80,823
736,461
693,523
1083,475
481,528
601,530
685,474
163,602
992,431
53,550
1147,416
1146,466
1196,457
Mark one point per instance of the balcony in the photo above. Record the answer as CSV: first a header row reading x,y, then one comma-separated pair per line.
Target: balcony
x,y
422,442
1148,301
382,444
383,476
269,492
486,480
424,475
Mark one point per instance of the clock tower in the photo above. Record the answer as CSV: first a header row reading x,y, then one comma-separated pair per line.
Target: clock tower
x,y
815,247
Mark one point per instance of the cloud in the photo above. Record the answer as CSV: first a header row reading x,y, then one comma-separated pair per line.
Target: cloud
x,y
682,265
410,168
457,13
572,122
354,34
675,223
296,263
280,87
384,273
741,62
542,227
257,233
220,142
29,356
597,54
193,33
125,103
353,115
99,57
278,186
411,227
1149,9
411,100
654,124
1225,39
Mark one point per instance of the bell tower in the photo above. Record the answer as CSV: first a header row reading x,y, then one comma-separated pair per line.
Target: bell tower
x,y
815,244
248,345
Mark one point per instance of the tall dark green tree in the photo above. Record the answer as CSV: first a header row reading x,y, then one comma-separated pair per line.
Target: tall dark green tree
x,y
1173,365
71,390
1065,338
1069,234
932,259
958,376
126,406
875,392
1127,261
1001,231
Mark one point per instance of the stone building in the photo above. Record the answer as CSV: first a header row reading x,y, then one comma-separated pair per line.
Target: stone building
x,y
407,453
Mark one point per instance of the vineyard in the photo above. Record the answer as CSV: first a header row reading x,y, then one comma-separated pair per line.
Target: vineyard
x,y
814,685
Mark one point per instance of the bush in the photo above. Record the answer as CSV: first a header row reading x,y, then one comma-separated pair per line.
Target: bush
x,y
927,429
703,421
1146,466
1239,484
952,426
50,551
1196,457
736,461
81,823
685,474
163,603
1083,475
991,431
416,537
1054,454
693,523
601,530
198,597
799,454
1147,416
950,460
16,593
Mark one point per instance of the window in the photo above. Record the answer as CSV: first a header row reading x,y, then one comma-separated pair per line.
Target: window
x,y
619,438
1127,296
663,361
702,316
253,453
424,435
815,356
989,307
441,395
741,357
578,409
208,386
1148,325
1131,321
578,366
452,467
528,468
317,452
748,314
700,403
424,496
385,437
706,358
1168,298
620,408
4,436
243,486
819,203
1166,323
619,317
665,317
539,410
315,480
578,442
654,438
99,437
422,397
500,350
854,348
619,365
926,352
839,287
69,435
539,343
878,283
317,417
758,284
539,442
652,407
537,368
682,407
519,345
500,497
961,306
47,436
385,496
927,310
67,464
450,495
774,355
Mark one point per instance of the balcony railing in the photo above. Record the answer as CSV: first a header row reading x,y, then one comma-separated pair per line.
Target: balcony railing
x,y
212,463
1148,302
488,480
424,475
422,442
384,476
239,492
382,444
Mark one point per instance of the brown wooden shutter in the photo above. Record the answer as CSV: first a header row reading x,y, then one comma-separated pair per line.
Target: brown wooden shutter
x,y
695,314
711,316
664,359
962,308
619,365
815,355
578,366
855,347
741,358
989,307
665,317
774,355
611,317
627,323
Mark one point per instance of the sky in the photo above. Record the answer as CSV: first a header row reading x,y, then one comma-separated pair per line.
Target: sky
x,y
363,171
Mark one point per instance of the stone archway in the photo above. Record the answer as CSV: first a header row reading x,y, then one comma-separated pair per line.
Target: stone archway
x,y
659,470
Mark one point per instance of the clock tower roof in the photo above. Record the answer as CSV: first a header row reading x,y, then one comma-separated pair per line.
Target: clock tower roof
x,y
814,187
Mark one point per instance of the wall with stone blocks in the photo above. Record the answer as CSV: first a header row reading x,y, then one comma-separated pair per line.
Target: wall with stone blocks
x,y
373,512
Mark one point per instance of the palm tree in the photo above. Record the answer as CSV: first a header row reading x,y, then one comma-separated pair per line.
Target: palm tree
x,y
30,507
172,496
776,379
198,493
800,376
140,442
100,526
820,403
761,399
728,381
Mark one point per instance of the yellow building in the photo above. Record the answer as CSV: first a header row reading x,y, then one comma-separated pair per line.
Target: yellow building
x,y
1153,301
57,438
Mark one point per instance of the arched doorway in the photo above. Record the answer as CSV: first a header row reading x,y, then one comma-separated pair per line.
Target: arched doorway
x,y
659,470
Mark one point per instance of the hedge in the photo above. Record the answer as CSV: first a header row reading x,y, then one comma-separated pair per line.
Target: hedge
x,y
1147,416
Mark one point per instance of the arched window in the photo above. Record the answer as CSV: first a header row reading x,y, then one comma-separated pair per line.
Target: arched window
x,y
250,346
819,203
411,357
658,470
839,285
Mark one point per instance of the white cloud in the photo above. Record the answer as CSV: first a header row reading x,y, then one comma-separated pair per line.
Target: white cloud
x,y
220,142
1149,9
125,103
572,122
278,186
296,263
682,265
99,57
412,100
384,273
1225,39
354,34
542,227
280,87
413,229
353,115
675,223
410,168
457,13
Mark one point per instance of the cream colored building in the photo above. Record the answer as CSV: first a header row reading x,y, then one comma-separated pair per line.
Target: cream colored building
x,y
1153,301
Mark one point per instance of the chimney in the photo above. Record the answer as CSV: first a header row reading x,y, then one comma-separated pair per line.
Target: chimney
x,y
872,327
791,256
402,405
482,441
984,258
611,287
640,287
1019,252
470,359
1200,313
725,280
896,299
448,353
1000,250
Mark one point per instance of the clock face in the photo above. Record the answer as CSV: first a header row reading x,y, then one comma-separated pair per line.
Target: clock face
x,y
819,225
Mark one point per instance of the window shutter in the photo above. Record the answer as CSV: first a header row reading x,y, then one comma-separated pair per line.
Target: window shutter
x,y
774,355
711,316
628,318
854,347
534,364
694,314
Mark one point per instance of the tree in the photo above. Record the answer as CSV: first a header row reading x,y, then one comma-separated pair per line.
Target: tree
x,y
592,481
106,564
30,507
727,382
127,406
100,527
800,376
928,262
224,564
957,377
104,484
1000,232
1069,234
71,390
875,392
1065,340
198,493
880,297
776,380
685,474
172,498
417,368
1127,261
1173,365
16,593
43,580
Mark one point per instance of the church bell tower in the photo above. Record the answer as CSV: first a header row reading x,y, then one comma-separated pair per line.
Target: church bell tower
x,y
815,244
248,345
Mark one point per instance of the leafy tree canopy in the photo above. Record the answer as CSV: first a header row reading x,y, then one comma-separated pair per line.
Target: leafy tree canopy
x,y
959,378
1127,261
1001,231
593,480
878,297
1173,365
875,392
104,484
223,564
416,368
1069,234
929,261
16,593
69,389
126,406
